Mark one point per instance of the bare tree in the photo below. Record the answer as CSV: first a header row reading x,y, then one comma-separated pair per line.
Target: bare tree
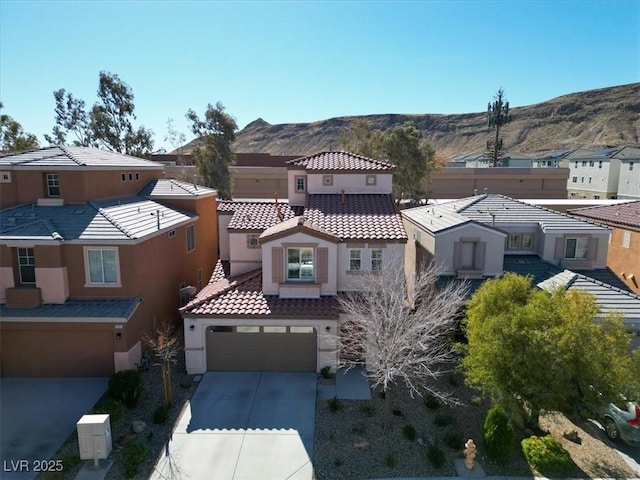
x,y
401,328
165,344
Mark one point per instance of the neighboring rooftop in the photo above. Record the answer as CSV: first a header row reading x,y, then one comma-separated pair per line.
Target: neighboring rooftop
x,y
621,153
625,214
117,219
63,157
169,188
256,216
332,161
74,309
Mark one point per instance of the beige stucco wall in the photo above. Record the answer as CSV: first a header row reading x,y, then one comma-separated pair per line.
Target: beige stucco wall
x,y
128,360
350,183
53,283
302,239
350,280
195,340
600,260
296,198
243,259
223,236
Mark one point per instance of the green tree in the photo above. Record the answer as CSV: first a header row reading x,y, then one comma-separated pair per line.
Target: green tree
x,y
12,137
214,156
404,147
107,124
531,350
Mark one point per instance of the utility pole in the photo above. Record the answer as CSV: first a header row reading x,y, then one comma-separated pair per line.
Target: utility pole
x,y
497,115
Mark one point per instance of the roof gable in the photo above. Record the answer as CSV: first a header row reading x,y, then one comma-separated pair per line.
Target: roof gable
x,y
341,161
297,225
66,157
625,214
170,188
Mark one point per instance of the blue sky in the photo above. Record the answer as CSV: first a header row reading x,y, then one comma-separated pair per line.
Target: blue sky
x,y
304,61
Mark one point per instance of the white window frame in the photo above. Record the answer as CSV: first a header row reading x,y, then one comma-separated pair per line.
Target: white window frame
x,y
301,251
527,241
300,184
250,241
513,241
190,233
377,262
5,177
355,259
87,267
581,244
52,181
626,239
28,255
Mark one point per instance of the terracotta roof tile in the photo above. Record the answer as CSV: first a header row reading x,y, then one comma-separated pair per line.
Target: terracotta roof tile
x,y
242,296
627,214
340,161
256,215
297,224
360,216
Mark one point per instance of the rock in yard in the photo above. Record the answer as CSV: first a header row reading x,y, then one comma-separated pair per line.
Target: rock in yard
x,y
572,436
126,439
139,426
361,444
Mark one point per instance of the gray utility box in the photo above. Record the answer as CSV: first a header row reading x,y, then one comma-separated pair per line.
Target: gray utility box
x,y
94,437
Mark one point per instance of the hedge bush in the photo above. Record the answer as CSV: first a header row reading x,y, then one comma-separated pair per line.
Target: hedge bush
x,y
113,408
132,456
546,455
497,434
126,386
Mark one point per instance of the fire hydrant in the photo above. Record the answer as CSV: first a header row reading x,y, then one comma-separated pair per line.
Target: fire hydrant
x,y
470,450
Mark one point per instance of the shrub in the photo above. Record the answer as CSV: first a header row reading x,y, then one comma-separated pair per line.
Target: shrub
x,y
326,372
126,387
390,460
409,432
442,420
160,415
70,461
368,408
113,408
358,429
397,412
454,440
337,462
132,456
497,434
335,404
546,455
435,455
432,402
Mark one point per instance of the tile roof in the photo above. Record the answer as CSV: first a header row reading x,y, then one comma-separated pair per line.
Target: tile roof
x,y
116,219
256,215
623,214
242,296
330,161
174,188
498,211
297,224
608,298
82,310
359,217
76,157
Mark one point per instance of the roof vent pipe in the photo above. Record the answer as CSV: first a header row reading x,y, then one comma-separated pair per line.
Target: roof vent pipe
x,y
342,197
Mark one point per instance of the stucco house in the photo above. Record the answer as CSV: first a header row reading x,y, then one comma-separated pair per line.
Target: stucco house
x,y
485,235
96,248
271,303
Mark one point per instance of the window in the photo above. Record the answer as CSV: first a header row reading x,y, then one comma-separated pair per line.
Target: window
x,y
376,259
123,176
300,184
576,248
137,176
527,241
300,329
371,180
355,259
300,263
626,239
584,163
468,257
630,166
131,177
591,163
5,177
53,187
102,266
191,238
596,197
252,241
576,164
27,265
581,179
327,180
574,179
600,164
274,329
248,329
514,241
589,179
172,233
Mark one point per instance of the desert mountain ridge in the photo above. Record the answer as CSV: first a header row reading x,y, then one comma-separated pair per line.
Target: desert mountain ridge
x,y
606,116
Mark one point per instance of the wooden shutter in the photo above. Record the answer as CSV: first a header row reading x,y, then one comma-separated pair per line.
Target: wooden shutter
x,y
457,252
481,254
276,265
322,264
592,248
559,253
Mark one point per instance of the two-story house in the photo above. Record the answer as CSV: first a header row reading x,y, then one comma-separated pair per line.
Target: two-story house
x,y
272,301
96,249
485,235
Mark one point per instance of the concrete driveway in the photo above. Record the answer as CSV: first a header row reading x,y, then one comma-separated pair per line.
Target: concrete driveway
x,y
37,415
245,425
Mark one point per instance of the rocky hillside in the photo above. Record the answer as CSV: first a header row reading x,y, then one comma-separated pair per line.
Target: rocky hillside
x,y
608,116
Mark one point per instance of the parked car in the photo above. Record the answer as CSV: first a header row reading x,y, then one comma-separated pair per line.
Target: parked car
x,y
623,421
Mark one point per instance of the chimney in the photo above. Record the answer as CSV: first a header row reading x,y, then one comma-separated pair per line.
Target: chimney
x,y
164,175
279,212
342,197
